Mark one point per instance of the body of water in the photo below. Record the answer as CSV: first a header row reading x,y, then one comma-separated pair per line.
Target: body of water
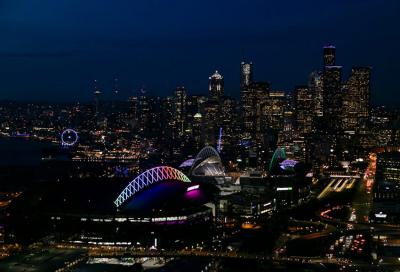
x,y
20,151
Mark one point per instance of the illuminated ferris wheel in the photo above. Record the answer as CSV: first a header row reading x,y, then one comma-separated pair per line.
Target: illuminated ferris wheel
x,y
69,137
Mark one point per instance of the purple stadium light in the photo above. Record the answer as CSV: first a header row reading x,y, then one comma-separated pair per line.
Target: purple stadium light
x,y
187,163
288,164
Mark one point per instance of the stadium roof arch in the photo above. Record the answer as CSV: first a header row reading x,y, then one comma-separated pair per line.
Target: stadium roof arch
x,y
147,178
278,156
208,163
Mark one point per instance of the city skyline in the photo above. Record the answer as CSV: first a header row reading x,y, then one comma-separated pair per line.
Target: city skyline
x,y
133,44
199,136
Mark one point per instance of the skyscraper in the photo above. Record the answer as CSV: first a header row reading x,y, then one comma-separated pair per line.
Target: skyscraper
x,y
316,86
253,107
246,74
216,85
246,96
332,98
274,110
180,109
228,119
304,109
329,55
360,83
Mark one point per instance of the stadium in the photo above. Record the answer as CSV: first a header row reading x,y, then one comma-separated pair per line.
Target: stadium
x,y
160,201
206,167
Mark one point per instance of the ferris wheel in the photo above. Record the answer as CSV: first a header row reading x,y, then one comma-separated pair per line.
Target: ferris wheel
x,y
69,137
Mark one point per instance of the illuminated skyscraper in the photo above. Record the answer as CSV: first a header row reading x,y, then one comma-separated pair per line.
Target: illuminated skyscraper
x,y
195,119
303,99
356,99
329,55
212,116
148,108
167,117
228,119
316,86
216,85
180,109
246,74
253,101
274,110
246,97
133,110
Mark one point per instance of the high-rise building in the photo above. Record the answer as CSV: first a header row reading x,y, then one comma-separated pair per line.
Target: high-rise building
x,y
212,115
329,55
180,109
332,98
356,102
228,118
195,119
167,119
246,74
274,110
316,86
216,85
304,109
253,107
148,118
133,110
246,96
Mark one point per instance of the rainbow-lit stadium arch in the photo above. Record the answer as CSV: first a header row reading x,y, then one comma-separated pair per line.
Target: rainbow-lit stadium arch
x,y
147,178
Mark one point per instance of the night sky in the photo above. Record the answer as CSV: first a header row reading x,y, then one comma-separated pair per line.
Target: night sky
x,y
54,50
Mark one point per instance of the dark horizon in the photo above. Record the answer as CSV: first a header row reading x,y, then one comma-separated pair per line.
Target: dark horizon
x,y
54,51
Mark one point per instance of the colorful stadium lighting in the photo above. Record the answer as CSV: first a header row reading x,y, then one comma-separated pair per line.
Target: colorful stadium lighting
x,y
194,187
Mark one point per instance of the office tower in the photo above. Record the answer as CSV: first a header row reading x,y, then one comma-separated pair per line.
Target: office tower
x,y
246,96
304,109
133,110
167,119
274,110
246,74
228,120
316,86
356,99
195,119
288,119
216,85
148,114
332,98
253,107
180,109
212,116
329,55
